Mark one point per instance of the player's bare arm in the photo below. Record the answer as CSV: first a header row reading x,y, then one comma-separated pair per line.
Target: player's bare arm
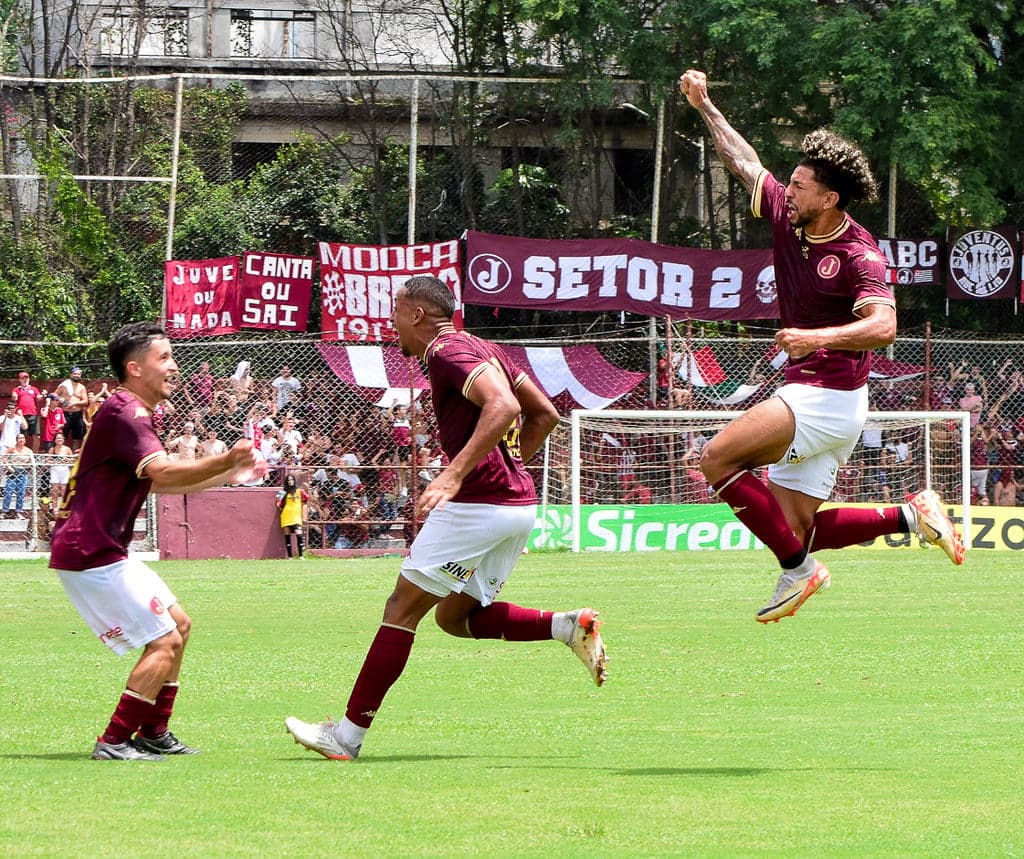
x,y
179,477
737,155
539,418
876,328
498,409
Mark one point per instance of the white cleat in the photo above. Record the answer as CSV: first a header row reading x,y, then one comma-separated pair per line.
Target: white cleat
x,y
319,737
792,591
586,643
934,526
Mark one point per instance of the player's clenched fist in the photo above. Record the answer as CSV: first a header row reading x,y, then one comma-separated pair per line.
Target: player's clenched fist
x,y
694,85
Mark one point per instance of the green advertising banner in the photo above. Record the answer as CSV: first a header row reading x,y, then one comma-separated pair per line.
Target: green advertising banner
x,y
712,527
645,528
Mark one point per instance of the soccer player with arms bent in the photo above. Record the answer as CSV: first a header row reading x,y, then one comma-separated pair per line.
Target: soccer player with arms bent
x,y
480,511
125,603
835,308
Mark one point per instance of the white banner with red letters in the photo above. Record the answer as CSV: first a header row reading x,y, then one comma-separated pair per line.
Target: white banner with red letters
x,y
358,284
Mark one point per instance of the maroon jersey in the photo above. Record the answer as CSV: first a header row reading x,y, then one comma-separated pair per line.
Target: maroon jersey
x,y
822,281
454,361
106,491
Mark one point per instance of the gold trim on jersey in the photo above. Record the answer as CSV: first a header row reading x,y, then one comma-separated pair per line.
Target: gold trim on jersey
x,y
439,334
828,237
146,460
872,299
756,193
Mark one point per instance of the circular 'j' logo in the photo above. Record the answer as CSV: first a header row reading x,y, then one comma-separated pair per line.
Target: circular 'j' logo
x,y
981,262
489,273
829,266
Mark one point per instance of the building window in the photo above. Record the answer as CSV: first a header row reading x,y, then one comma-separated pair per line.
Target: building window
x,y
127,34
267,33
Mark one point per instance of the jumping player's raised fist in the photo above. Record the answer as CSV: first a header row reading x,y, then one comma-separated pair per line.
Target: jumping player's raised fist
x,y
694,85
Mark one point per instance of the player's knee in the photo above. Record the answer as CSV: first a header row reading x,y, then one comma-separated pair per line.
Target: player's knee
x,y
184,623
452,624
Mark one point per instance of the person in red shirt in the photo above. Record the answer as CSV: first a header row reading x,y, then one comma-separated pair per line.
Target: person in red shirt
x,y
835,308
480,510
53,419
633,491
26,397
125,603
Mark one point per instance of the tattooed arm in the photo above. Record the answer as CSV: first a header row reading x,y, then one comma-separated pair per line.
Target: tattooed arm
x,y
736,154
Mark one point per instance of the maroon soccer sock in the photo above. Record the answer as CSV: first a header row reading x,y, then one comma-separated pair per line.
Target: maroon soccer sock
x,y
383,665
847,526
130,711
510,622
155,723
754,505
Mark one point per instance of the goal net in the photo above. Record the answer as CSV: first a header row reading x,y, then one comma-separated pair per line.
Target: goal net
x,y
637,458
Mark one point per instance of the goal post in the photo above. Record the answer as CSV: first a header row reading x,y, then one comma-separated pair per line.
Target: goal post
x,y
637,457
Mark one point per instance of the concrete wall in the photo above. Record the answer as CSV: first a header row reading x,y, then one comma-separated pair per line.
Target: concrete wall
x,y
237,522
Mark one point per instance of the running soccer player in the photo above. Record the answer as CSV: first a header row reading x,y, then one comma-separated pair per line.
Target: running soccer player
x,y
480,511
835,307
124,602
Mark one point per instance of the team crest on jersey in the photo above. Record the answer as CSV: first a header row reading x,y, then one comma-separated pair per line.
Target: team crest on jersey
x,y
828,267
156,606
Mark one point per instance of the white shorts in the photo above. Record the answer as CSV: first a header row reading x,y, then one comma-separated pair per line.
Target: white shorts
x,y
828,425
125,603
469,548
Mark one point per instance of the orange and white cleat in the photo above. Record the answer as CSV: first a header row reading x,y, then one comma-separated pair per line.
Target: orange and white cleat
x,y
586,643
934,526
793,589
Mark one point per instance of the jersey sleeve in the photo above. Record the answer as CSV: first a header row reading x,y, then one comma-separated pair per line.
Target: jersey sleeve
x,y
135,442
867,272
768,197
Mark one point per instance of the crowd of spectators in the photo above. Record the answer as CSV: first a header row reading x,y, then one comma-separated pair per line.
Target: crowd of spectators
x,y
362,463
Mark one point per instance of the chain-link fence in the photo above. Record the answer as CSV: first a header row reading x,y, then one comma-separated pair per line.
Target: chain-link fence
x,y
364,453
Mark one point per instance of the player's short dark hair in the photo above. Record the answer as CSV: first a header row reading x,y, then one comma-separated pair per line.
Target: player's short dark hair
x,y
425,288
840,166
130,340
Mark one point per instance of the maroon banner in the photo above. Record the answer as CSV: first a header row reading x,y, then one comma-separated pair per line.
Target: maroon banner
x,y
619,274
276,291
359,282
982,264
202,297
912,262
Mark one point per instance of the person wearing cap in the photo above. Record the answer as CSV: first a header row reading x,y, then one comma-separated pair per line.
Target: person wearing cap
x,y
54,419
26,396
74,400
12,424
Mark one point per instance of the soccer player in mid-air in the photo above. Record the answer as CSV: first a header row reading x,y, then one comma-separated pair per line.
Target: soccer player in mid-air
x,y
835,308
480,511
125,603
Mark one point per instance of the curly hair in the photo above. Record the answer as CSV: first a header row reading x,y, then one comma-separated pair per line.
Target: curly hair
x,y
840,166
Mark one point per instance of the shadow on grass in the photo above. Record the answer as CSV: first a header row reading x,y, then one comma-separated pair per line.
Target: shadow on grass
x,y
49,756
384,759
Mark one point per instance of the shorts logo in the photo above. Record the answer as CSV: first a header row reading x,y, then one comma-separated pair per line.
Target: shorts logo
x,y
457,571
114,634
828,267
794,456
156,606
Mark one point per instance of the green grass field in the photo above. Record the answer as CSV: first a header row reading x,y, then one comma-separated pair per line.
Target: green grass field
x,y
885,719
